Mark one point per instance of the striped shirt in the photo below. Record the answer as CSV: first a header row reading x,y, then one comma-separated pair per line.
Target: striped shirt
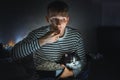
x,y
52,53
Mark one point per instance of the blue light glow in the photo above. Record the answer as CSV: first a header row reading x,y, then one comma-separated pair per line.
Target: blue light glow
x,y
18,39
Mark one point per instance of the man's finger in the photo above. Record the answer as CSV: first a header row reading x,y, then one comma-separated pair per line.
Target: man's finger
x,y
62,65
55,34
51,33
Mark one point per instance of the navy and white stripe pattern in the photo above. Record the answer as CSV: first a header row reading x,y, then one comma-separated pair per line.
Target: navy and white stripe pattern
x,y
70,42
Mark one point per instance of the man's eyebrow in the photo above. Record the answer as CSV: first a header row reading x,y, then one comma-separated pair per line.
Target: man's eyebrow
x,y
59,17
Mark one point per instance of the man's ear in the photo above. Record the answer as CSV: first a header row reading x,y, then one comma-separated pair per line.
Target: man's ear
x,y
47,18
68,18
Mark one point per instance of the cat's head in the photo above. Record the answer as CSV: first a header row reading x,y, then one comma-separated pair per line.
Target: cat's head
x,y
71,60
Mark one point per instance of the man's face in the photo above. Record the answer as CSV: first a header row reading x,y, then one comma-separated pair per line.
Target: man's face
x,y
58,21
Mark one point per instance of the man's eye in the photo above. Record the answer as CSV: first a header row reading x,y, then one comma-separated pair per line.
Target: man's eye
x,y
53,20
56,19
64,19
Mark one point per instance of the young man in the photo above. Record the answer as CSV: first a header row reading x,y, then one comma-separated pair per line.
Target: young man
x,y
49,43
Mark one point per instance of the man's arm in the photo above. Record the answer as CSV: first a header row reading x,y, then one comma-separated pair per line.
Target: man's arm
x,y
25,47
32,43
66,73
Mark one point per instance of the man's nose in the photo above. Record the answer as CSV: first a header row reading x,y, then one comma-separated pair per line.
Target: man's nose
x,y
58,22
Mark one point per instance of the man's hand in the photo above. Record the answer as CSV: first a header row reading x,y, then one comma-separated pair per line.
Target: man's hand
x,y
66,73
50,37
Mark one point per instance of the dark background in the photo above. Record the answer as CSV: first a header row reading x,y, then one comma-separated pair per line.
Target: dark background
x,y
97,20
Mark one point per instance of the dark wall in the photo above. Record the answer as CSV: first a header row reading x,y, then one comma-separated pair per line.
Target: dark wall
x,y
109,39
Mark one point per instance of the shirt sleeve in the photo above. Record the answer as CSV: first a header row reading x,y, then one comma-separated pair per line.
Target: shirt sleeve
x,y
27,46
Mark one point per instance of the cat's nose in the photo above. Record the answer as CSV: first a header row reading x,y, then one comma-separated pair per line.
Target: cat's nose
x,y
73,62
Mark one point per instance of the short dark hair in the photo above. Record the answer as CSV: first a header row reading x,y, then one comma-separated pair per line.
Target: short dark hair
x,y
57,6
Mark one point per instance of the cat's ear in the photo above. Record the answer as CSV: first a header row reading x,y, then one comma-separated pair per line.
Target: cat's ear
x,y
66,55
